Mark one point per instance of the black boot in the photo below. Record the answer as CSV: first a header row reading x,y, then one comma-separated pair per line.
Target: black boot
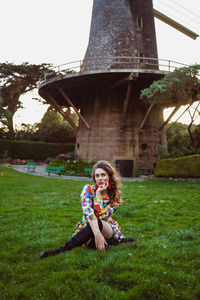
x,y
127,240
84,235
45,254
111,242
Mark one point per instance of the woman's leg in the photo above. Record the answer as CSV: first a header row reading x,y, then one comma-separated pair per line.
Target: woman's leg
x,y
107,232
83,236
108,235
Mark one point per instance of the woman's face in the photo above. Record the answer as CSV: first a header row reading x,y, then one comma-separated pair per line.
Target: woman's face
x,y
101,177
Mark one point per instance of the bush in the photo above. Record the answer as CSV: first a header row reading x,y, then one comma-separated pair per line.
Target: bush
x,y
183,167
62,156
47,160
32,150
72,167
143,171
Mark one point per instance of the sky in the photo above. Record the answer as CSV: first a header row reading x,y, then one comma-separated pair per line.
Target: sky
x,y
57,32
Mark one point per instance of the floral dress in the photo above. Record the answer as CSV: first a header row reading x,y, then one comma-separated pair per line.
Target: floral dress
x,y
101,208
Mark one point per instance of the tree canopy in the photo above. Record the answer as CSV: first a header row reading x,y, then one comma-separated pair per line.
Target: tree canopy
x,y
16,80
180,87
52,128
179,141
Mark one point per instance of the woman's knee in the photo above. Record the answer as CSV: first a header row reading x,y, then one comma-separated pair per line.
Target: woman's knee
x,y
107,230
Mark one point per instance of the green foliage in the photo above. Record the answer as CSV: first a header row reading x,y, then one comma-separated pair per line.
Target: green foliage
x,y
143,171
53,128
196,136
179,87
75,167
178,140
15,80
27,132
188,166
39,213
33,150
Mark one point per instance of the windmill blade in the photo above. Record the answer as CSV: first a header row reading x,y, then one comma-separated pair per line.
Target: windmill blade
x,y
175,24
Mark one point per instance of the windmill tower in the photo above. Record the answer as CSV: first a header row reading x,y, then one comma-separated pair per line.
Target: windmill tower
x,y
120,61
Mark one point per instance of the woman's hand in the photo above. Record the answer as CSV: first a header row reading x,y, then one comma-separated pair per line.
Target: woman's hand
x,y
100,242
101,188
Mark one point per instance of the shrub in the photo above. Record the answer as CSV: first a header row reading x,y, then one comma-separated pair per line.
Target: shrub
x,y
183,167
75,167
47,160
63,156
32,150
143,171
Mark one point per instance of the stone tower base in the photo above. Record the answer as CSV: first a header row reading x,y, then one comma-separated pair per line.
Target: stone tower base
x,y
124,144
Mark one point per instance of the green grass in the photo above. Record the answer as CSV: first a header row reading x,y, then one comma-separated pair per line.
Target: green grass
x,y
39,213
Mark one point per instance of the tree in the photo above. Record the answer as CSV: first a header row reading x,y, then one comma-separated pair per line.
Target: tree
x,y
177,139
192,134
27,132
180,87
196,136
53,128
16,80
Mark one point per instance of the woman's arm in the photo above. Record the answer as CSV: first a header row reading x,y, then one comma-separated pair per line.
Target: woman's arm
x,y
87,206
100,242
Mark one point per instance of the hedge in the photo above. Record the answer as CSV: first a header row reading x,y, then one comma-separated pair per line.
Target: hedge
x,y
32,150
183,167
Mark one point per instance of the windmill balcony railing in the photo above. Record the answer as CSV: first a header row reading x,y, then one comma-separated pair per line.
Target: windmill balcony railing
x,y
113,63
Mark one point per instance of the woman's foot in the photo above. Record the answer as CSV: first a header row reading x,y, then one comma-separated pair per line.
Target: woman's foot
x,y
128,240
45,254
48,253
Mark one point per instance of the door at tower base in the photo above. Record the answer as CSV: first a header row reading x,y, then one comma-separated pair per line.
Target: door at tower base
x,y
125,167
108,140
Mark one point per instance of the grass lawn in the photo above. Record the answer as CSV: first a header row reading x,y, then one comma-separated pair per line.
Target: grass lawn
x,y
39,213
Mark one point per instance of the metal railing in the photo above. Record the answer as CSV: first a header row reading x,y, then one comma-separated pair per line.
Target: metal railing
x,y
114,63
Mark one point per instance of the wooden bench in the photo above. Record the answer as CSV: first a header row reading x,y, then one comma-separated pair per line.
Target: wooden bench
x,y
31,166
88,171
55,170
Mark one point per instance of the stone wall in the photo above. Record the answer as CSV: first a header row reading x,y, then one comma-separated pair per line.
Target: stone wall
x,y
107,140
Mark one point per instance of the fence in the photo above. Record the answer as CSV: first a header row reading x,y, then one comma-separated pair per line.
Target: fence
x,y
113,63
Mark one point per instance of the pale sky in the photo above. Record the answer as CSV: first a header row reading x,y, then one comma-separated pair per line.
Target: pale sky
x,y
49,31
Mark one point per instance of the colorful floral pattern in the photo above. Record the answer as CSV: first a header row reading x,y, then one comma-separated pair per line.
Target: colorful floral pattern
x,y
94,208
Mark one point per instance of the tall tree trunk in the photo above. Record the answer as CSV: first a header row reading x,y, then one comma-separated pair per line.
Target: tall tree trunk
x,y
11,132
191,136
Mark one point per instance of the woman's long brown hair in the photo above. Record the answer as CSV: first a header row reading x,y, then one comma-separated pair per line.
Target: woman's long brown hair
x,y
114,192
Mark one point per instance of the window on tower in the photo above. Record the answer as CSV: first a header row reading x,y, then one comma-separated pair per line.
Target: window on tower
x,y
139,23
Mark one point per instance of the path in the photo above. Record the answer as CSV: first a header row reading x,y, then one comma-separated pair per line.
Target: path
x,y
40,171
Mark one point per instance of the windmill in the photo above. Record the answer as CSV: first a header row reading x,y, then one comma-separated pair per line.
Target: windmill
x,y
121,60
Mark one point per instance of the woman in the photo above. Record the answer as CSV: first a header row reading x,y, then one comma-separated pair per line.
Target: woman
x,y
99,201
